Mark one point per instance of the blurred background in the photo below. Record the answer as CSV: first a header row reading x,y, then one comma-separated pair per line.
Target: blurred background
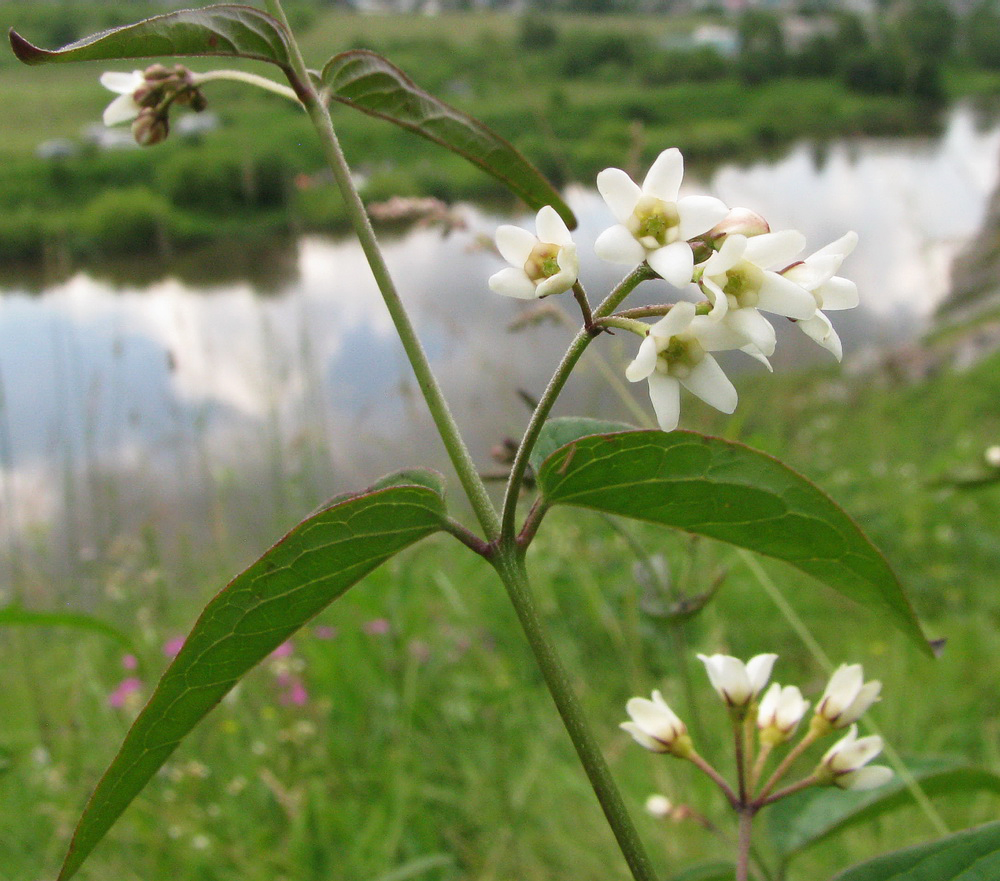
x,y
193,356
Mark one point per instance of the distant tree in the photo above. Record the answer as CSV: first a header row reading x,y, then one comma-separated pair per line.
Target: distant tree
x,y
928,28
762,47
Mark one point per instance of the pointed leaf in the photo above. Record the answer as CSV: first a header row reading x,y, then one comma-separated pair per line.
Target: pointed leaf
x,y
310,567
727,491
227,29
970,855
802,820
18,616
564,429
371,84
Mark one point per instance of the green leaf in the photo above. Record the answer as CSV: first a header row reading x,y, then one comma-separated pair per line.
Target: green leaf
x,y
227,29
17,616
802,820
971,855
727,491
310,567
565,429
371,84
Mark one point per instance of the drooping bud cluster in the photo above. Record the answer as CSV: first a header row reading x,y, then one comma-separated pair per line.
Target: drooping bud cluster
x,y
731,258
145,97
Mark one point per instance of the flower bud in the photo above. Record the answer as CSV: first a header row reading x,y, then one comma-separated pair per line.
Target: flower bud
x,y
847,696
781,710
150,127
992,456
157,73
844,763
656,727
659,806
741,221
738,683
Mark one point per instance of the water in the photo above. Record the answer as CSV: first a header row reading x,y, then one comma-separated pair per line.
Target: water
x,y
233,407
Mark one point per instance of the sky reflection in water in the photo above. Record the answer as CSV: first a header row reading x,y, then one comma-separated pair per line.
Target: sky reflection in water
x,y
173,394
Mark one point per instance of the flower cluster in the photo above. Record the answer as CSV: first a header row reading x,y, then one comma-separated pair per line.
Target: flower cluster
x,y
775,714
145,97
730,258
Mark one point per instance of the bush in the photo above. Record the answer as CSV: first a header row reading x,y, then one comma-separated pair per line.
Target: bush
x,y
535,32
130,221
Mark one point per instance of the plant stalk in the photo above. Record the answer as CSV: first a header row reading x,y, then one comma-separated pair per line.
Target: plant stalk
x,y
576,348
472,483
509,564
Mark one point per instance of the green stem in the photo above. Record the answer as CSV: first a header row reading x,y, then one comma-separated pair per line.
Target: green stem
x,y
576,348
743,856
473,485
509,564
242,76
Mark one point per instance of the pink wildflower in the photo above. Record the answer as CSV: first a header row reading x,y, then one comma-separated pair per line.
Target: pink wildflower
x,y
377,627
126,687
172,647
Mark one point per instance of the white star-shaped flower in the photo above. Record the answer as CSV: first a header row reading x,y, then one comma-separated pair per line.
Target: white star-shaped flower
x,y
653,223
739,281
124,108
675,352
735,682
541,264
817,274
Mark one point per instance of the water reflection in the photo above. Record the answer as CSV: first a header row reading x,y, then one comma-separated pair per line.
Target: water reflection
x,y
128,400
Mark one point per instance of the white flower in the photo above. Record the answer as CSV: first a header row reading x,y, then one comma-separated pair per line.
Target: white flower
x,y
817,275
656,727
869,777
659,806
653,223
739,280
844,763
992,456
847,696
675,353
738,683
781,710
540,265
124,108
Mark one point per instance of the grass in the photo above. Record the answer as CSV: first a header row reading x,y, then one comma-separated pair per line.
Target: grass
x,y
432,751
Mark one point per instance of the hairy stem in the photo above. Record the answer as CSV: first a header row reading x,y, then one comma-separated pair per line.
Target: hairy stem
x,y
509,564
473,485
242,76
576,348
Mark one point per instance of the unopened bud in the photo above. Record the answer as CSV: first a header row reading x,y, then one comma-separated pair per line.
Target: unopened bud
x,y
659,806
157,73
198,100
150,127
992,456
740,221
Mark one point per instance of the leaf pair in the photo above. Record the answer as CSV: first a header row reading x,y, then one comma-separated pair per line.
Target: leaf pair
x,y
358,79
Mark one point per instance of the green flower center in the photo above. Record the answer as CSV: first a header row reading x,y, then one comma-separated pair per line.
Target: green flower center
x,y
743,284
654,222
542,262
682,353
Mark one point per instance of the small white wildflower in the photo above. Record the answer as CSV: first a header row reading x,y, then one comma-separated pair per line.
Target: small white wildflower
x,y
781,710
738,683
541,264
123,108
653,223
659,806
656,727
844,763
847,696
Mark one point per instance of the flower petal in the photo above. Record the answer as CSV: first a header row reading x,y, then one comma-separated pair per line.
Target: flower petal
x,y
708,382
513,282
783,297
838,293
871,777
122,109
122,83
841,247
619,191
759,671
699,214
551,227
515,244
663,179
753,328
812,272
716,336
820,329
757,355
665,395
674,262
774,248
727,256
617,245
676,321
716,296
644,362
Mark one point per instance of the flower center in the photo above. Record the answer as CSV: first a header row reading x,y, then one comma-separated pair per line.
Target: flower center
x,y
681,354
654,222
542,262
743,284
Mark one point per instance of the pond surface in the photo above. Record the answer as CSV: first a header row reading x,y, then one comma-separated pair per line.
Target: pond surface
x,y
207,409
